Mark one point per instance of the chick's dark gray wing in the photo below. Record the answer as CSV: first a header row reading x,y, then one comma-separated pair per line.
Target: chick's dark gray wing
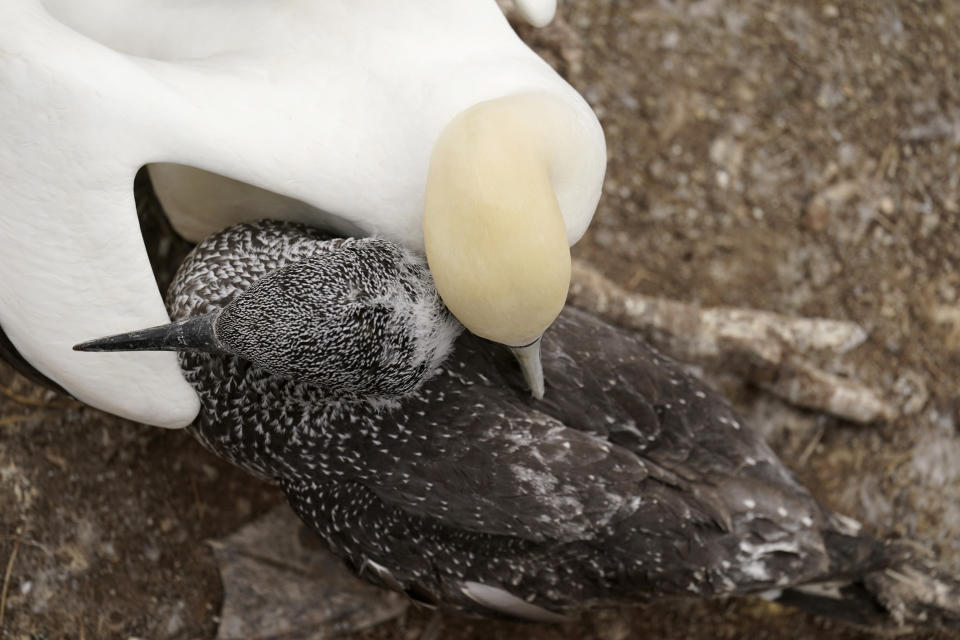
x,y
482,462
607,382
476,452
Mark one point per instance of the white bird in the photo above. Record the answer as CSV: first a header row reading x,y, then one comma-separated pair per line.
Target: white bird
x,y
428,123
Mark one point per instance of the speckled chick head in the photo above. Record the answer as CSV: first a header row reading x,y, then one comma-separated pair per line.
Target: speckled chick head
x,y
363,318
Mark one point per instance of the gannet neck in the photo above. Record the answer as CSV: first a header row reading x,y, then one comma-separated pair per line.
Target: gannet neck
x,y
494,233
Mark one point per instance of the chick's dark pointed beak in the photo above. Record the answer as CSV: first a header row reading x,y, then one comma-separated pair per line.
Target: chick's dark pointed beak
x,y
192,334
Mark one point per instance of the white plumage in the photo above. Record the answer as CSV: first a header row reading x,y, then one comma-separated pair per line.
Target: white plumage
x,y
333,105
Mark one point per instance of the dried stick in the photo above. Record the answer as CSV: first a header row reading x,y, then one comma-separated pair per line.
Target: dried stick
x,y
761,346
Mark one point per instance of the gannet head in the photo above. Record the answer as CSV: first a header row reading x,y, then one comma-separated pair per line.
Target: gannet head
x,y
494,233
89,102
362,320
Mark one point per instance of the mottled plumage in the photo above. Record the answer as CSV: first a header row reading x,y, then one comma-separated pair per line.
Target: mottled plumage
x,y
631,480
625,469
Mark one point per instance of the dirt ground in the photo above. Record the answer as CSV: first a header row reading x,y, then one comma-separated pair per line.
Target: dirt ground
x,y
798,156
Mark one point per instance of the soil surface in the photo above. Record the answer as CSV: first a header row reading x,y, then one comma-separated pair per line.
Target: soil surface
x,y
798,156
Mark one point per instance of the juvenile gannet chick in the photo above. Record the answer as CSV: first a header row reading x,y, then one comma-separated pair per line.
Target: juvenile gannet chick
x,y
630,481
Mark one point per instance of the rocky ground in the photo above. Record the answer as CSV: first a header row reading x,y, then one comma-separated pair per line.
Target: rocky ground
x,y
795,156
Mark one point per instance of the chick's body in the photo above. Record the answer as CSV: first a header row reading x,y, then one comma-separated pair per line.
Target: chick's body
x,y
630,480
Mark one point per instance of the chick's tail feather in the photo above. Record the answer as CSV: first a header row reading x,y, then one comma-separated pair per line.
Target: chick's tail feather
x,y
880,584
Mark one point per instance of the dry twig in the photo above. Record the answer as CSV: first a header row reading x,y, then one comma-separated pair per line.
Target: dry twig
x,y
761,346
6,580
38,402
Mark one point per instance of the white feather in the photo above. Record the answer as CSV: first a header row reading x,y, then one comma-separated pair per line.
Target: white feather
x,y
504,602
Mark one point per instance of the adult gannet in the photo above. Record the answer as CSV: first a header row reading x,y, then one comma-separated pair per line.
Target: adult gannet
x,y
444,480
429,123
